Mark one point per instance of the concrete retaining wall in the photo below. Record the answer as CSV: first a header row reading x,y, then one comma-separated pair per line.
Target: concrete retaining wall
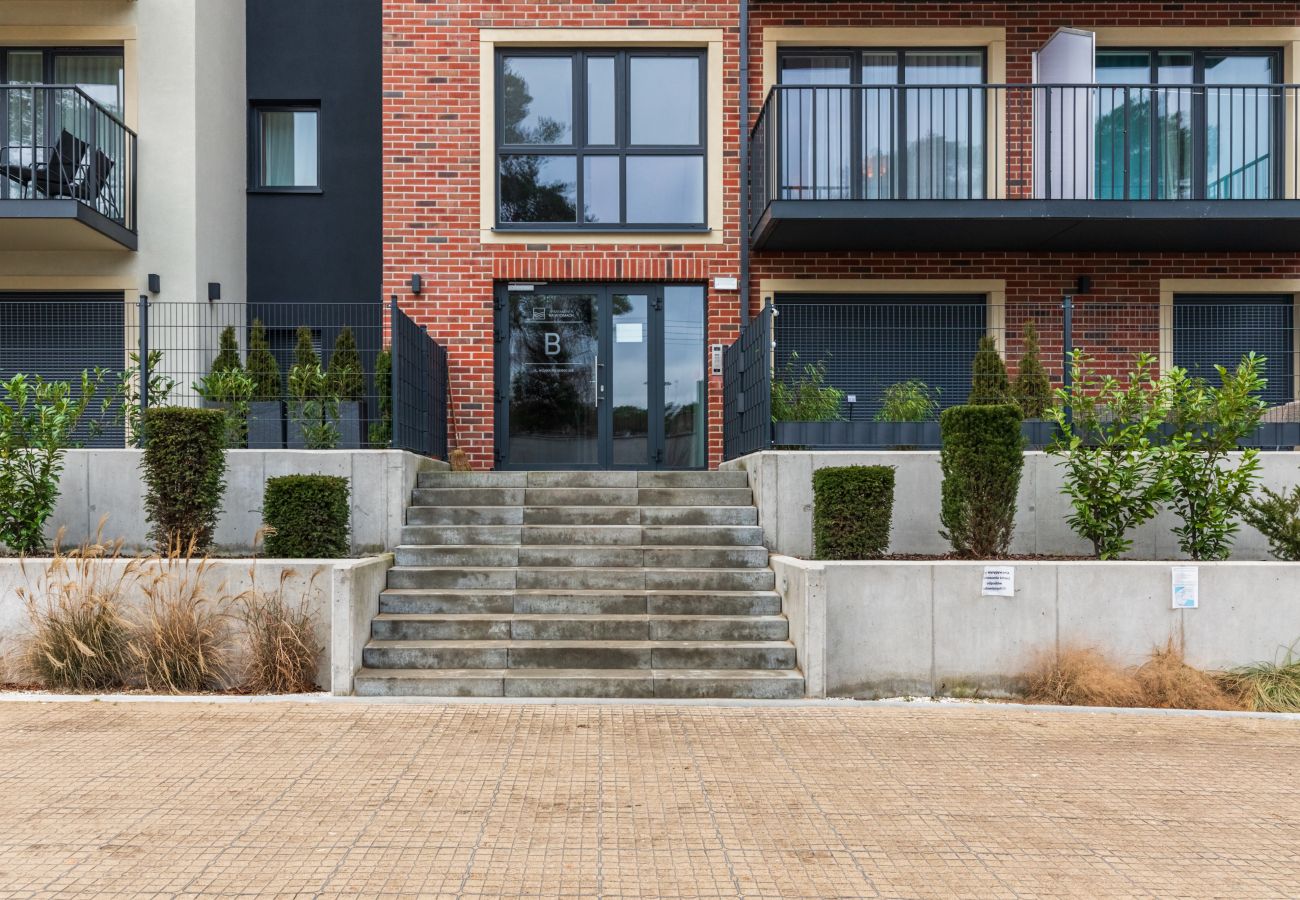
x,y
782,483
341,596
100,483
879,629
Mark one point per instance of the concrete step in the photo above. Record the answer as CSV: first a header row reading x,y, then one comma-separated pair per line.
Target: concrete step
x,y
562,578
582,496
527,555
729,479
584,534
456,535
468,496
699,515
465,515
581,602
603,627
644,515
728,496
613,654
762,684
702,535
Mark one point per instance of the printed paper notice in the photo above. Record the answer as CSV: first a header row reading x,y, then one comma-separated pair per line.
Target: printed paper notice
x,y
999,581
1187,590
628,332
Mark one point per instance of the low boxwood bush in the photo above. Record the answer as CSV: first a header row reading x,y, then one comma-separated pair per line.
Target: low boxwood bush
x,y
184,474
981,458
307,517
853,508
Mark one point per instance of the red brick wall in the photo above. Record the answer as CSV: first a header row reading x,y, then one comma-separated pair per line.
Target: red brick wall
x,y
431,190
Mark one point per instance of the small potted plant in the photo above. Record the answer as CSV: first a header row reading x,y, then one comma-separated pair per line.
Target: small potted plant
x,y
229,388
313,407
347,384
266,410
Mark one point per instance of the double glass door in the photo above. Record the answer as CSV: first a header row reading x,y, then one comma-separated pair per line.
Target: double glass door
x,y
601,376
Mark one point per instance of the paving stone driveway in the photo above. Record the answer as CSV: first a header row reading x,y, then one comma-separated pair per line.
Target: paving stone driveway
x,y
641,801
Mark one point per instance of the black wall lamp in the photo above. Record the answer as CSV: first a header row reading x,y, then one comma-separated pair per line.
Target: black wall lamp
x,y
1084,285
155,284
417,284
214,290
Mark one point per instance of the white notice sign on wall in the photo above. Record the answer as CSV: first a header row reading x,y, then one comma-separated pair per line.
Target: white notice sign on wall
x,y
999,581
1187,587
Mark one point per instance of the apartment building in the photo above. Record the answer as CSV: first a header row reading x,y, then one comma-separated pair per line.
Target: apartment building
x,y
569,183
219,157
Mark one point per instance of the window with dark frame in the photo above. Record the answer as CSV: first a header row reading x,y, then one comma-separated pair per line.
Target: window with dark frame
x,y
285,154
600,140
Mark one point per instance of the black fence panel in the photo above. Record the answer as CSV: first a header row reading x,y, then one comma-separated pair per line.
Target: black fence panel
x,y
420,388
747,389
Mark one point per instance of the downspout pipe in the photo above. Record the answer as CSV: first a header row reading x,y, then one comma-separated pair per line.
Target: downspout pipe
x,y
744,163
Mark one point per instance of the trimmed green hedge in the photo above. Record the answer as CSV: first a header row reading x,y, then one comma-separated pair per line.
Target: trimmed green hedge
x,y
982,456
184,474
853,509
308,516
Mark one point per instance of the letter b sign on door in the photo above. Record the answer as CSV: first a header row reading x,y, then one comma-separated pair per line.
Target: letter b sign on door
x,y
552,344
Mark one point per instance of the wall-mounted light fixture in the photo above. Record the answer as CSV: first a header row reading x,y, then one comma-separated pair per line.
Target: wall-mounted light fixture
x,y
155,284
417,284
1085,284
214,290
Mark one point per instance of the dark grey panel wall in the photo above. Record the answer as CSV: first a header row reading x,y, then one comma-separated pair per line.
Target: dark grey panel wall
x,y
325,246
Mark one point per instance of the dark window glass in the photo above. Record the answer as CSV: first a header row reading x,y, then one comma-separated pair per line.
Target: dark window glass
x,y
538,189
537,100
1220,330
601,139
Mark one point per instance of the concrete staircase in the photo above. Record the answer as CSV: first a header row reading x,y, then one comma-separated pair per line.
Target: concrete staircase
x,y
581,584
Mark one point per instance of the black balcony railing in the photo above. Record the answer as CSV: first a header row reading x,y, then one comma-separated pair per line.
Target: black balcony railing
x,y
1025,142
57,143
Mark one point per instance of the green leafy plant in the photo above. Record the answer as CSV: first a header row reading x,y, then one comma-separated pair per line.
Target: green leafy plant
x,y
909,401
307,517
227,351
853,509
1209,492
981,459
989,385
184,475
381,430
1116,474
802,395
315,408
346,379
37,421
1033,388
1277,517
121,404
262,366
231,389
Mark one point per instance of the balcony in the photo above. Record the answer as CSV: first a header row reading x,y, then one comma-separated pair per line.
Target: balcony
x,y
67,172
1027,167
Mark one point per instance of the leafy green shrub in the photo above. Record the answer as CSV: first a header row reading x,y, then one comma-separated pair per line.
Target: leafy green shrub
x,y
231,389
909,401
315,406
227,351
37,422
989,384
1033,388
381,430
184,474
346,380
804,396
262,366
981,458
853,509
122,403
1116,474
307,517
1208,495
1277,517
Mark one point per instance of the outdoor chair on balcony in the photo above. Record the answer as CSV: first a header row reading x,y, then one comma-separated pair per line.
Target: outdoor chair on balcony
x,y
65,170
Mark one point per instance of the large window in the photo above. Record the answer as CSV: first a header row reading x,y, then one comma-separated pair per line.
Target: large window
x,y
600,139
883,124
1219,330
286,148
1174,141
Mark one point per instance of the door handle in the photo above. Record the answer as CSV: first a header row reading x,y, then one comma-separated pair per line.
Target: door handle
x,y
599,385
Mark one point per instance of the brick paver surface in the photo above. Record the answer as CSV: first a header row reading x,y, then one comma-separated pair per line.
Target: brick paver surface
x,y
642,801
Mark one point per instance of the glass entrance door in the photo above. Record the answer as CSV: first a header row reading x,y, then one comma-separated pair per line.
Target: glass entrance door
x,y
609,376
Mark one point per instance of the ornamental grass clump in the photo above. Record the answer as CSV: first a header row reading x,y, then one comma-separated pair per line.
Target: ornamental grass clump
x,y
283,651
181,642
981,459
1266,686
79,633
853,510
